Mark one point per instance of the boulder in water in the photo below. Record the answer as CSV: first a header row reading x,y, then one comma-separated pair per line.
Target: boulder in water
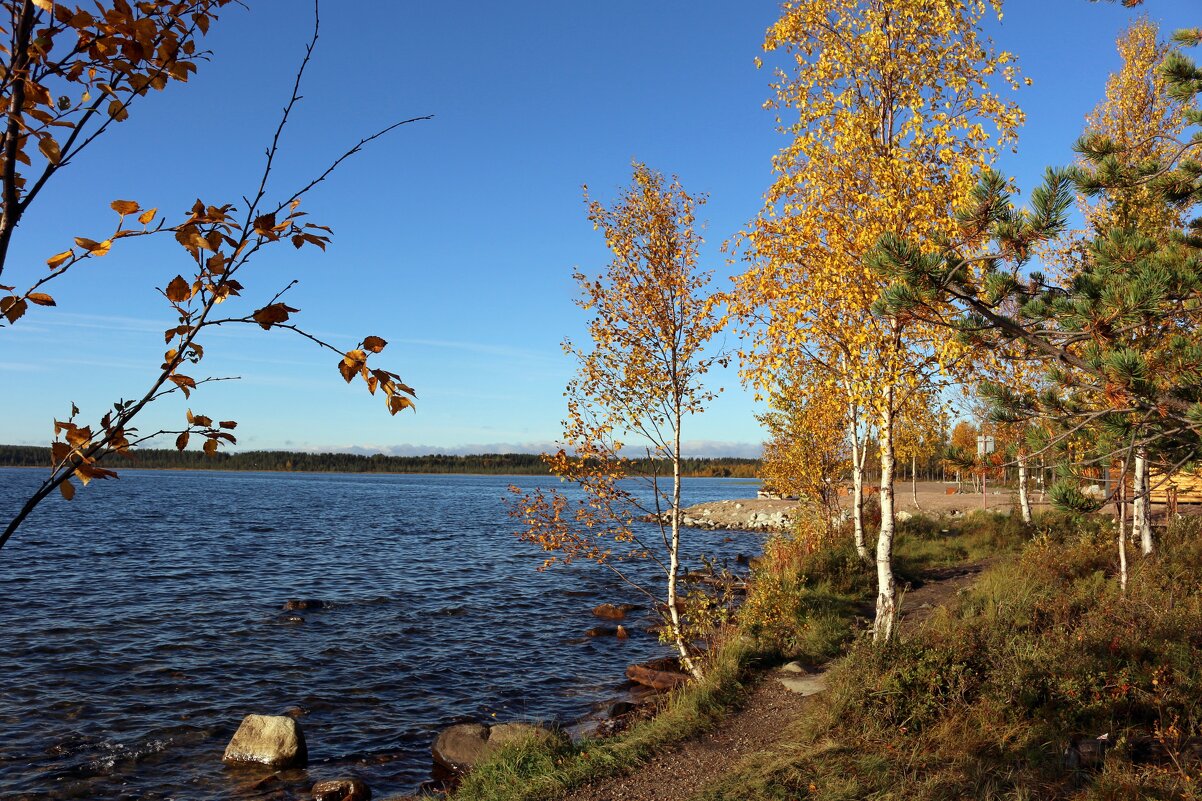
x,y
660,675
462,746
273,740
341,790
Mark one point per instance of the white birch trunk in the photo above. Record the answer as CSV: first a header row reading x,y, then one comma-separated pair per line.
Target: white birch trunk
x,y
682,648
914,482
1024,496
886,599
1141,505
857,488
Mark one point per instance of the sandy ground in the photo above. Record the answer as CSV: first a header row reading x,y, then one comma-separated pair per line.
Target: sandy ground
x,y
932,497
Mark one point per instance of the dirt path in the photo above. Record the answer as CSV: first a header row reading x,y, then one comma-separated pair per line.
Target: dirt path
x,y
683,772
938,588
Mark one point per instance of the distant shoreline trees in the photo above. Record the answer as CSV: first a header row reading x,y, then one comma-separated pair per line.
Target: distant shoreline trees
x,y
302,462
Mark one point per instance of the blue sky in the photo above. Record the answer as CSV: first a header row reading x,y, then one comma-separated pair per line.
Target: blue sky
x,y
454,239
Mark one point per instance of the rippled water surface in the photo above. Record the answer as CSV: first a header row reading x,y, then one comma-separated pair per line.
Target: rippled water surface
x,y
139,623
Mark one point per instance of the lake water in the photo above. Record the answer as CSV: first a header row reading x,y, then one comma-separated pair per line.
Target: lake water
x,y
141,622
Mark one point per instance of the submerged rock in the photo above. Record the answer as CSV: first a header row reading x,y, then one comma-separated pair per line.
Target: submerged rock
x,y
602,631
303,604
655,676
341,790
272,740
613,611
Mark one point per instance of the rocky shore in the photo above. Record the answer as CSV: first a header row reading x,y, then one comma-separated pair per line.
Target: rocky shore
x,y
761,515
271,750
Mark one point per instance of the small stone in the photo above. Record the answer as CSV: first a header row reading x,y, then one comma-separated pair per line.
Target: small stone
x,y
621,633
273,740
804,685
602,631
291,619
341,790
793,667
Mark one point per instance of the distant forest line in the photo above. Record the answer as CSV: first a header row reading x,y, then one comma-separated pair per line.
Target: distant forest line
x,y
291,461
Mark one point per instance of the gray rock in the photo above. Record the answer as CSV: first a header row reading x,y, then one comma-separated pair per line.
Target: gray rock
x,y
463,746
795,679
272,740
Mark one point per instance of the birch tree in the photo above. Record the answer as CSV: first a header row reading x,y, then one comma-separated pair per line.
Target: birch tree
x,y
891,108
639,379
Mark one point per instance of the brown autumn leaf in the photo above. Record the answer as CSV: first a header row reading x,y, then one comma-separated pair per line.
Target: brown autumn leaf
x,y
12,309
58,258
67,489
348,370
181,441
78,437
146,216
88,471
178,290
118,111
124,207
374,344
264,224
228,424
50,149
40,298
59,451
93,247
398,402
185,383
210,447
268,316
201,420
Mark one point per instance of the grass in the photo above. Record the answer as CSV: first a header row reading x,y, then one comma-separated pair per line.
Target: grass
x,y
984,699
